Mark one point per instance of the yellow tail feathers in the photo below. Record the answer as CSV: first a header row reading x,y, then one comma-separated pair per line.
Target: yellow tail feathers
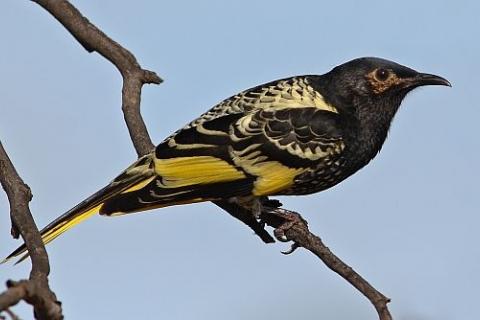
x,y
133,178
65,225
52,232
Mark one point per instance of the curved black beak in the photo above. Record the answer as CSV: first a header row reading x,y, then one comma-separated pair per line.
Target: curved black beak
x,y
425,79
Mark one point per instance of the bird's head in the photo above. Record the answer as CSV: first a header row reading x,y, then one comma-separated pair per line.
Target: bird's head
x,y
368,92
375,81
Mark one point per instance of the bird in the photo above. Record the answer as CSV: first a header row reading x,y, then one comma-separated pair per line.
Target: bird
x,y
294,136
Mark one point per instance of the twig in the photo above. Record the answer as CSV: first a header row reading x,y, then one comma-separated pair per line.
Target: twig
x,y
35,290
134,77
302,237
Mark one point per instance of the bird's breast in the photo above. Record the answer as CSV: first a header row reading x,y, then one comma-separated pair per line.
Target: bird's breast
x,y
327,173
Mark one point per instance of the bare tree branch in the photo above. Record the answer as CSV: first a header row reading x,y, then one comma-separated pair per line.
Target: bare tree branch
x,y
289,225
134,77
35,290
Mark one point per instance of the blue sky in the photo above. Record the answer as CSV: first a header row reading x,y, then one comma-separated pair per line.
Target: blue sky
x,y
408,222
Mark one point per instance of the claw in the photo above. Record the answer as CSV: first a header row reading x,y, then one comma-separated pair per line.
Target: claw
x,y
294,247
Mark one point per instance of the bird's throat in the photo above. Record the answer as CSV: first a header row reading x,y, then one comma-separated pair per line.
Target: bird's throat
x,y
373,122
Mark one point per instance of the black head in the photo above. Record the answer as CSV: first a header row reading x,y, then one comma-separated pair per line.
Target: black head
x,y
368,92
377,79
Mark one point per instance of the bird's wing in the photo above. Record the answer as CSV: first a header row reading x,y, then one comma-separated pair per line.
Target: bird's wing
x,y
191,166
255,154
276,145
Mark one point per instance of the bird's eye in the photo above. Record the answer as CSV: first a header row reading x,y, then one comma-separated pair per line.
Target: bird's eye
x,y
382,74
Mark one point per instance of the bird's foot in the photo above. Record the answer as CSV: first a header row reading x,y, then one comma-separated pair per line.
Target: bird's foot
x,y
289,219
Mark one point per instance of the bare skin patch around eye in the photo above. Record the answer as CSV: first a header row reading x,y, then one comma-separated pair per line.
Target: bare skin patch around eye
x,y
379,86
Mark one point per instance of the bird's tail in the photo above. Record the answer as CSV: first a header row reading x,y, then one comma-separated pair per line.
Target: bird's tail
x,y
133,178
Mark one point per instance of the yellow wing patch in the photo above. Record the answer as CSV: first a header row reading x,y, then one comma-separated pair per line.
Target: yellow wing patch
x,y
273,177
187,171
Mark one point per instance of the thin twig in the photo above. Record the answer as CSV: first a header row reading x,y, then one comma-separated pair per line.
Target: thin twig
x,y
301,236
134,77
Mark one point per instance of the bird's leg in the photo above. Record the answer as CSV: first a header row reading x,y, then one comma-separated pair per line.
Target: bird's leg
x,y
247,218
252,204
268,211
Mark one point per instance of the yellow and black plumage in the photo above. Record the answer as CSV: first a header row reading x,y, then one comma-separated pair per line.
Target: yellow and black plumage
x,y
293,136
